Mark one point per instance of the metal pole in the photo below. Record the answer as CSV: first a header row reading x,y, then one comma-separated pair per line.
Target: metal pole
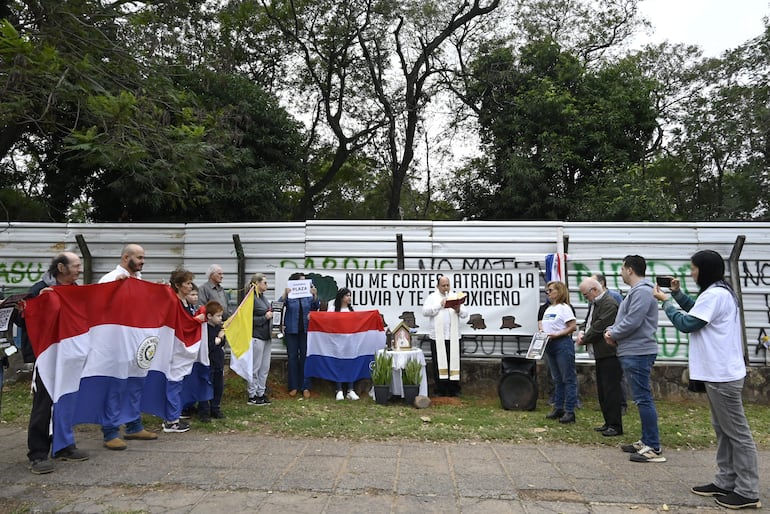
x,y
241,274
735,275
88,271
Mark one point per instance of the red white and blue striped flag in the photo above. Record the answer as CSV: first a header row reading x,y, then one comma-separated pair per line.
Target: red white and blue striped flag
x,y
107,352
341,345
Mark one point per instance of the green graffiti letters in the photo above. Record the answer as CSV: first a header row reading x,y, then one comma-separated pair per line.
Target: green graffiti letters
x,y
21,272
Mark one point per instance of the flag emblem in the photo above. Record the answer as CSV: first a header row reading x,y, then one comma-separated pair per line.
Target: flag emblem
x,y
146,352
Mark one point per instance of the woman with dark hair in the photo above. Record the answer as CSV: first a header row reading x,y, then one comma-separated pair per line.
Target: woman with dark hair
x,y
295,321
558,324
716,358
342,303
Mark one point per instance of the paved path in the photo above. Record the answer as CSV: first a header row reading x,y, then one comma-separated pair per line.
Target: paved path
x,y
229,473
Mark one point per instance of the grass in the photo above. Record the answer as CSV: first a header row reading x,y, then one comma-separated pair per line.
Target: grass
x,y
683,424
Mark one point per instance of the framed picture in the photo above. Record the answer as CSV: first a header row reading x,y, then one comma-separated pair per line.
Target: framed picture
x,y
537,346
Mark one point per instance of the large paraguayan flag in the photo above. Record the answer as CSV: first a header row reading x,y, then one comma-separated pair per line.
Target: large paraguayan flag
x,y
107,352
341,345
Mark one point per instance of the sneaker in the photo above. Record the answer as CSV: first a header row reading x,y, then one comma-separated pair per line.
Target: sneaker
x,y
736,501
177,426
647,454
709,490
340,396
632,448
352,395
259,401
73,454
252,400
41,466
267,400
142,435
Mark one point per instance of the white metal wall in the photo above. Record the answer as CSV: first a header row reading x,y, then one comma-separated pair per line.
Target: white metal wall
x,y
26,250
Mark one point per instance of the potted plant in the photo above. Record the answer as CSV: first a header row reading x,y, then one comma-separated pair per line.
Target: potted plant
x,y
382,375
411,377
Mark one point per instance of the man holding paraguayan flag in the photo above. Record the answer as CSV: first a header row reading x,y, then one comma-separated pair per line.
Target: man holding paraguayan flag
x,y
104,357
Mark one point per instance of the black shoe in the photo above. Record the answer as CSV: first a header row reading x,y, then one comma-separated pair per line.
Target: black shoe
x,y
736,501
611,432
555,414
601,428
179,426
569,417
204,418
266,399
709,490
217,415
252,400
41,466
73,454
258,401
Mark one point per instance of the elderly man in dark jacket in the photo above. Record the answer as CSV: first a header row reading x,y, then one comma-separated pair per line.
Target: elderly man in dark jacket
x,y
601,314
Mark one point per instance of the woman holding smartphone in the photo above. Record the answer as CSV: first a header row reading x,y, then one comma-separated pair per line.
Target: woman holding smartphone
x,y
716,358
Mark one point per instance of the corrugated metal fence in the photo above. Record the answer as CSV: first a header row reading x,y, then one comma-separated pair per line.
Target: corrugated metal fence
x,y
26,250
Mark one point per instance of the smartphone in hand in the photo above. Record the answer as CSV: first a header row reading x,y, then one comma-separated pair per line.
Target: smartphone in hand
x,y
664,281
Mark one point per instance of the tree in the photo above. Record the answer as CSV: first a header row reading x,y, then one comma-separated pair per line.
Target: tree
x,y
95,110
552,127
353,93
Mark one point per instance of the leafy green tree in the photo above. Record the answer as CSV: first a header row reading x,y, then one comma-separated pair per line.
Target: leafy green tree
x,y
551,127
95,108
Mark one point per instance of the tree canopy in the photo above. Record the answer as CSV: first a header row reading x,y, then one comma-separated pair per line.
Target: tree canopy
x,y
248,110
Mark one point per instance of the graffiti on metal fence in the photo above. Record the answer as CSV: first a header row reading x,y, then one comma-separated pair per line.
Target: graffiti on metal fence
x,y
19,272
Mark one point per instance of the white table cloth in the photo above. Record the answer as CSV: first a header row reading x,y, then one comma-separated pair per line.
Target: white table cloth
x,y
400,358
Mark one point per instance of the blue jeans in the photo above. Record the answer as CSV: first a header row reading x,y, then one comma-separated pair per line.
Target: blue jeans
x,y
132,427
560,354
296,346
638,370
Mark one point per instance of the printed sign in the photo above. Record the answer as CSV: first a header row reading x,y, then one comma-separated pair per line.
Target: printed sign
x,y
499,302
299,288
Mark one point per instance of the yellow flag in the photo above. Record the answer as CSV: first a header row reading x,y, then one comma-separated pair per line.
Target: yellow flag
x,y
238,327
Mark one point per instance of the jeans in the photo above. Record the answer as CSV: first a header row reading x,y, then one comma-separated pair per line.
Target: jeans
x,y
132,427
560,355
638,370
296,346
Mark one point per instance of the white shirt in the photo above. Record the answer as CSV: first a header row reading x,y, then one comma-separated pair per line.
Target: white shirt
x,y
556,317
716,350
119,271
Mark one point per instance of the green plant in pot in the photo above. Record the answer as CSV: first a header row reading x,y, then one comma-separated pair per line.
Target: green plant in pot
x,y
382,375
411,376
412,373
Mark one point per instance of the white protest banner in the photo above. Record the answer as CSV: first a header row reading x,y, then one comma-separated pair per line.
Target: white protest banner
x,y
499,302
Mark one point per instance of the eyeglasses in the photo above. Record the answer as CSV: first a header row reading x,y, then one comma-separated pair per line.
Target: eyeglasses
x,y
589,290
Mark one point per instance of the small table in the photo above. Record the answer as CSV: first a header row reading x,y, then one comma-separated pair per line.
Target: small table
x,y
400,358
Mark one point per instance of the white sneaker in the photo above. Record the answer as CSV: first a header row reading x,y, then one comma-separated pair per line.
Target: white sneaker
x,y
340,396
352,395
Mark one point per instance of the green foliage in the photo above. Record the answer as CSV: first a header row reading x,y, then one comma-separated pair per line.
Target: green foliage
x,y
551,127
412,372
382,370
